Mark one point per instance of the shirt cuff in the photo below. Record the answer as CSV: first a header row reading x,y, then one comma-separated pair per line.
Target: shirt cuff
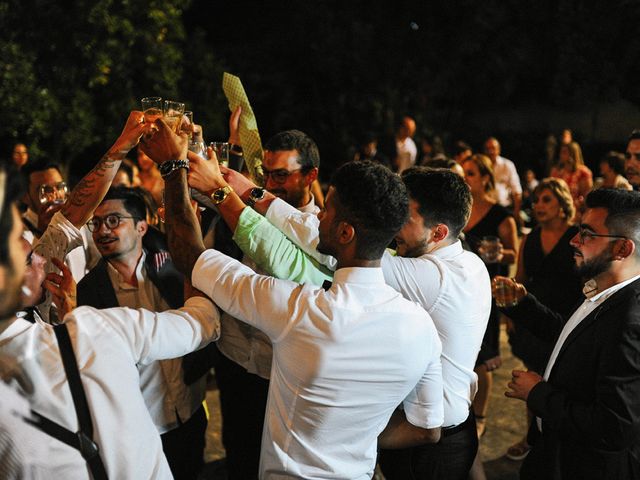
x,y
249,219
70,231
278,212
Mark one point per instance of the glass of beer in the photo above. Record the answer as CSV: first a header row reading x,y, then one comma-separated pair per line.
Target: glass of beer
x,y
505,292
152,108
173,112
222,152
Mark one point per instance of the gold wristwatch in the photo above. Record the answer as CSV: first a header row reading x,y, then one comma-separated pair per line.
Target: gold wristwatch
x,y
220,194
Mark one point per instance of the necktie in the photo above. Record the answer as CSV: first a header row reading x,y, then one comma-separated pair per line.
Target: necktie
x,y
248,131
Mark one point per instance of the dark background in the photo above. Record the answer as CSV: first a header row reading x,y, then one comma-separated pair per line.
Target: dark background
x,y
70,71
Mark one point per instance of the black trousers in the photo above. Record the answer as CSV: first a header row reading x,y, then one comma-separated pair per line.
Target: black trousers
x,y
184,446
243,401
449,459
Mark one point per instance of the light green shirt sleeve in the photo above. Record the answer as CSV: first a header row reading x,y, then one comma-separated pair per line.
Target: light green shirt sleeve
x,y
275,253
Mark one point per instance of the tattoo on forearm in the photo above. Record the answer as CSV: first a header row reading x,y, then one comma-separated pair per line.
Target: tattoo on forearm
x,y
86,188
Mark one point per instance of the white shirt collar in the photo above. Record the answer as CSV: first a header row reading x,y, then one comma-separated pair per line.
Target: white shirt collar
x,y
362,275
590,289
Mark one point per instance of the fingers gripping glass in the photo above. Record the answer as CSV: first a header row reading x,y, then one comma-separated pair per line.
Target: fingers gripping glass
x,y
56,193
110,221
586,234
278,176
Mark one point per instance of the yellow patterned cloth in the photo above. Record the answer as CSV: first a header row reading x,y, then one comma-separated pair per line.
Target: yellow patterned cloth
x,y
248,128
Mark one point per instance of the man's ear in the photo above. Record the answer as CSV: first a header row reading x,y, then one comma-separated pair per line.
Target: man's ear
x,y
142,227
346,233
624,249
311,176
440,232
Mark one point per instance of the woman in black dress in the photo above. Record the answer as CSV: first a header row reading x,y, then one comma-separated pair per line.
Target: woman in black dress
x,y
488,219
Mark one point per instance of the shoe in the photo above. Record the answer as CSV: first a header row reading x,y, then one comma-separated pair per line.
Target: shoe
x,y
518,451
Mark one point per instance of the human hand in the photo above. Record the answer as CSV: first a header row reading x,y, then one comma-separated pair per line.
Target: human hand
x,y
133,129
240,184
204,175
234,126
62,288
164,145
522,383
493,363
506,291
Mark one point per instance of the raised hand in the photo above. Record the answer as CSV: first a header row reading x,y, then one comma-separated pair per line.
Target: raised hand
x,y
164,145
234,126
133,129
204,175
62,288
241,184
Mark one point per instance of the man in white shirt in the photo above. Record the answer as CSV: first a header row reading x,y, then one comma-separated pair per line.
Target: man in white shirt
x,y
433,270
290,166
406,150
24,450
130,276
586,404
508,187
344,358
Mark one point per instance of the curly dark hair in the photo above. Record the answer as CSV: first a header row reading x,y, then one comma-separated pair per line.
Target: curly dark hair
x,y
442,197
296,140
375,201
623,211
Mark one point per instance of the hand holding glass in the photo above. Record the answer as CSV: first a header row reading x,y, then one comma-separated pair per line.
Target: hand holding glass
x,y
490,249
505,292
55,194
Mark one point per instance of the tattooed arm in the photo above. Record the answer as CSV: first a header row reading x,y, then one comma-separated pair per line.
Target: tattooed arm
x,y
90,191
183,231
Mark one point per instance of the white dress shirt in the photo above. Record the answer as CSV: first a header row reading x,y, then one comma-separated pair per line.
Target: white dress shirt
x,y
507,181
24,450
406,153
245,345
108,344
450,283
169,400
343,360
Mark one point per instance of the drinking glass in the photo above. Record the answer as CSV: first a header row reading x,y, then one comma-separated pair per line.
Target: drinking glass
x,y
55,194
505,292
222,152
173,112
152,108
490,249
187,127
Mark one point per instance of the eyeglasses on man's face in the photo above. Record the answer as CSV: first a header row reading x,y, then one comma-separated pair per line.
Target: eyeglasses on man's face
x,y
280,175
111,221
585,234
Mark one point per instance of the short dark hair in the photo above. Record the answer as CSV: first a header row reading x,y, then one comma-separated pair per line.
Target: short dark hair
x,y
460,146
132,200
296,140
127,169
615,160
442,196
38,166
374,201
623,211
13,191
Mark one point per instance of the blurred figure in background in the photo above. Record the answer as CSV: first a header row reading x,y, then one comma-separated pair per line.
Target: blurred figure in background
x,y
368,150
571,169
20,155
612,171
508,190
461,151
406,150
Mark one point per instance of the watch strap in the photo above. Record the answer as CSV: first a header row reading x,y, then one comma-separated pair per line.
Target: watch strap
x,y
170,166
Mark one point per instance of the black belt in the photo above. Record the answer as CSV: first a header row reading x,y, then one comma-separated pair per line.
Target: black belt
x,y
447,431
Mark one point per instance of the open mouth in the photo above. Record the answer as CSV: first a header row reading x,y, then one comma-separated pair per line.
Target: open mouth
x,y
106,240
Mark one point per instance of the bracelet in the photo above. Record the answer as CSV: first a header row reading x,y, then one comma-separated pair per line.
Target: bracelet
x,y
235,149
170,166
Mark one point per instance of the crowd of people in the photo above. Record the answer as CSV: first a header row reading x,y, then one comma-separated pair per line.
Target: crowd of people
x,y
347,329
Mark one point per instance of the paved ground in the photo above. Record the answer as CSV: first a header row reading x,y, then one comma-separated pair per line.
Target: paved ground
x,y
505,426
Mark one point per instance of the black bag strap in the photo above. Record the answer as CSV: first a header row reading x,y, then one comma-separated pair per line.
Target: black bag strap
x,y
82,439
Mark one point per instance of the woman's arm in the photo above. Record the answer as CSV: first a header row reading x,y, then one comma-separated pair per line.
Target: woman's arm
x,y
521,273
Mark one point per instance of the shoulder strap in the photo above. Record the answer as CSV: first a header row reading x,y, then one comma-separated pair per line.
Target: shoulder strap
x,y
81,440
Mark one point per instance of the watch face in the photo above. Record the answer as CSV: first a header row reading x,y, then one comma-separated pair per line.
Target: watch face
x,y
257,193
219,195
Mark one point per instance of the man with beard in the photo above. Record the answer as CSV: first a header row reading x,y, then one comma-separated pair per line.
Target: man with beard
x,y
24,450
431,269
344,358
632,157
128,275
586,403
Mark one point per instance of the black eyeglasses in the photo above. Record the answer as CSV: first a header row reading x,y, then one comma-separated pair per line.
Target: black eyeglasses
x,y
585,234
111,222
279,176
630,155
